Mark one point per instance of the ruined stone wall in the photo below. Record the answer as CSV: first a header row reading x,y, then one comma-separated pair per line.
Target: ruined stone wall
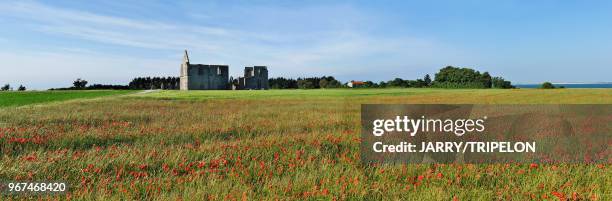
x,y
206,77
254,78
216,77
261,76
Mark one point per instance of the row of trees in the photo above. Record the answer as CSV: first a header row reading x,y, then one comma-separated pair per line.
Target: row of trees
x,y
136,83
282,83
304,83
155,83
398,83
81,84
448,77
7,87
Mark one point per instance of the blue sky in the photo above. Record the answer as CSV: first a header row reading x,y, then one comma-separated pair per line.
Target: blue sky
x,y
47,44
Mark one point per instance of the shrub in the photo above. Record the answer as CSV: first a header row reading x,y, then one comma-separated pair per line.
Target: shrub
x,y
547,85
6,87
79,83
500,83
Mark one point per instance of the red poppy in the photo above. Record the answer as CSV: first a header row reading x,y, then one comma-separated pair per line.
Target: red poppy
x,y
559,195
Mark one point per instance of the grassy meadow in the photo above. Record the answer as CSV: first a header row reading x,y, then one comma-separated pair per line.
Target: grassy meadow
x,y
271,145
37,97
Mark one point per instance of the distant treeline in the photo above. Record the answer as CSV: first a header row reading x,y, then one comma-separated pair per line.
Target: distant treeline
x,y
95,87
304,83
448,77
7,87
138,83
81,84
155,83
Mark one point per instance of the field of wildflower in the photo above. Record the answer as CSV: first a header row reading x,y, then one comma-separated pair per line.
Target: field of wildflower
x,y
271,145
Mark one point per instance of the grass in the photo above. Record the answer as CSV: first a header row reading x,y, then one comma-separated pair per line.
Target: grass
x,y
36,97
276,144
425,95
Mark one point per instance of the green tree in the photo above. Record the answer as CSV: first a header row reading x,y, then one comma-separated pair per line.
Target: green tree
x,y
427,80
21,88
547,85
323,83
397,82
419,83
457,75
79,83
334,84
486,80
305,84
382,84
500,83
454,77
6,87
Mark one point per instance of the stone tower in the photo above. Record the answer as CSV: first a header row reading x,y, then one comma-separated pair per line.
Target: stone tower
x,y
184,79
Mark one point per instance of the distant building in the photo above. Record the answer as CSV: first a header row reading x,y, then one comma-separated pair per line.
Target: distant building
x,y
255,77
203,76
354,84
216,77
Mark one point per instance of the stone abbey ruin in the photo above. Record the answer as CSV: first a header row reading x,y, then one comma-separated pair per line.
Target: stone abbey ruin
x,y
216,77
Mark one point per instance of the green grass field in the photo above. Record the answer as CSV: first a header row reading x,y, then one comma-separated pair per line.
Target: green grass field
x,y
37,97
271,145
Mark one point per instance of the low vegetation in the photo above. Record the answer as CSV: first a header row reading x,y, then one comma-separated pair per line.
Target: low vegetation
x,y
548,85
38,97
7,87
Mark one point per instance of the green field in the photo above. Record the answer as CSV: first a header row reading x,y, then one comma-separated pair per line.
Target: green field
x,y
270,145
37,97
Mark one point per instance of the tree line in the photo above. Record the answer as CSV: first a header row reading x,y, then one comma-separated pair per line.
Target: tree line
x,y
304,83
398,83
81,84
155,83
139,83
7,87
447,77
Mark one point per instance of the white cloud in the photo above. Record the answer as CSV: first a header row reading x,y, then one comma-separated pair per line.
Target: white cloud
x,y
291,42
111,30
36,11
